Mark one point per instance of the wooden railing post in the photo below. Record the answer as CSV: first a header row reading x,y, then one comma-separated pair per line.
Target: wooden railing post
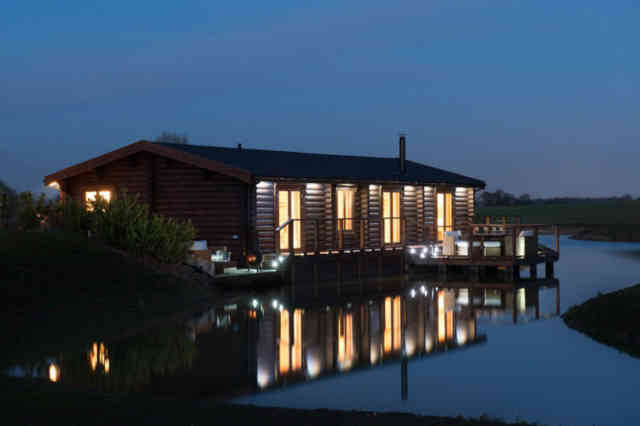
x,y
513,244
290,234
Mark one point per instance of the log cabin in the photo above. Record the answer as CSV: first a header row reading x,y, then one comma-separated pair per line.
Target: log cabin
x,y
276,201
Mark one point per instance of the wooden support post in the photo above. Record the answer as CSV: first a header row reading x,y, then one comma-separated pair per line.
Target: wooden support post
x,y
315,277
442,272
514,235
549,270
316,237
533,271
556,231
475,273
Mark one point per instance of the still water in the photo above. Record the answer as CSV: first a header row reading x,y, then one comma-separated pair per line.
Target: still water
x,y
492,349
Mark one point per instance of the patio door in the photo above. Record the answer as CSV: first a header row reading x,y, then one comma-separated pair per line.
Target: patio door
x,y
289,208
391,216
444,217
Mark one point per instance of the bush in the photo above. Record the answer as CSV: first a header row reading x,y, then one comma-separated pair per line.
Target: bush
x,y
28,215
126,223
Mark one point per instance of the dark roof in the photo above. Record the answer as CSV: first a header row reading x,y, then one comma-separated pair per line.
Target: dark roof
x,y
297,165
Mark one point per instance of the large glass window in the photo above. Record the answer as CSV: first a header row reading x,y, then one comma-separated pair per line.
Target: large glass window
x,y
91,196
289,208
345,208
391,216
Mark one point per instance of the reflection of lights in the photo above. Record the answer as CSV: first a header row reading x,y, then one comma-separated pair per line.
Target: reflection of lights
x,y
461,334
99,355
422,255
54,372
254,303
280,308
313,364
409,346
263,378
428,342
412,251
280,259
374,354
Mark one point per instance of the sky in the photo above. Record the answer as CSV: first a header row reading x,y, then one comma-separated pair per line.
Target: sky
x,y
536,97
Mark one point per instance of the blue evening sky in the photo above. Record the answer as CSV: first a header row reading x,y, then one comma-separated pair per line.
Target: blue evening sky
x,y
532,96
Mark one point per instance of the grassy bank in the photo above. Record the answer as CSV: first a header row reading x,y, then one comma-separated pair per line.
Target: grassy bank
x,y
60,290
31,402
610,318
608,220
624,212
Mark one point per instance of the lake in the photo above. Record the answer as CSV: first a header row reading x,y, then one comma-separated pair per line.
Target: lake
x,y
491,349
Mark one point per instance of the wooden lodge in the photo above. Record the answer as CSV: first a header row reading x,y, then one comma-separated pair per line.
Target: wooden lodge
x,y
276,204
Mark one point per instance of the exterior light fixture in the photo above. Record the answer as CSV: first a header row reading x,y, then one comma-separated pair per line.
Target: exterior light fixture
x,y
275,303
280,308
413,293
280,259
275,264
54,185
254,303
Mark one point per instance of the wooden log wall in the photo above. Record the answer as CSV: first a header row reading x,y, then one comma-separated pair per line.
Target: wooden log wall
x,y
215,203
265,216
374,231
314,207
429,206
130,174
410,213
463,208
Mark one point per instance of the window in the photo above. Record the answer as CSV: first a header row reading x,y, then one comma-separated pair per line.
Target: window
x,y
345,208
91,196
289,207
391,216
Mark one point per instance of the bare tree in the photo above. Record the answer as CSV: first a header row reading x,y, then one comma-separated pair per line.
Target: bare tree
x,y
173,137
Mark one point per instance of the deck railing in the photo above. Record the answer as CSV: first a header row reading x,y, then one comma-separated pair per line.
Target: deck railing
x,y
369,233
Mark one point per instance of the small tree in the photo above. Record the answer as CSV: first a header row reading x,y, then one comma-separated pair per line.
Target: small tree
x,y
173,137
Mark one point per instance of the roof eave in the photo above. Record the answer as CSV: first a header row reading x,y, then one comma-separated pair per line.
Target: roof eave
x,y
161,150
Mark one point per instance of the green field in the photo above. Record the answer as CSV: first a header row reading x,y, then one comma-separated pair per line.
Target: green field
x,y
61,290
597,212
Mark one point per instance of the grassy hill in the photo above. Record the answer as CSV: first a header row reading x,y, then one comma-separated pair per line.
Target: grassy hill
x,y
595,212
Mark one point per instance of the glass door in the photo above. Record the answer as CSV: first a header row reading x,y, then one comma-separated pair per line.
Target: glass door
x,y
391,216
289,208
444,219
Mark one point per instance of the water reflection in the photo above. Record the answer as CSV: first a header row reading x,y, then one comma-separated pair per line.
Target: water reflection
x,y
262,341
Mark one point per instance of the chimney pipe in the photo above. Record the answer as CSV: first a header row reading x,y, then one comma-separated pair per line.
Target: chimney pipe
x,y
403,153
239,147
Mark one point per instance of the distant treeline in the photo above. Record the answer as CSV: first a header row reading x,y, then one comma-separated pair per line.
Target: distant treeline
x,y
502,198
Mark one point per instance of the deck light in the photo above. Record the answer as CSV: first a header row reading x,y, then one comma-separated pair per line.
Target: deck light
x,y
274,264
280,259
54,372
412,251
275,303
280,308
254,303
413,293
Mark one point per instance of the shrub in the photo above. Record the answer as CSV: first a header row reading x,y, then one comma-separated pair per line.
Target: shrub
x,y
27,215
126,223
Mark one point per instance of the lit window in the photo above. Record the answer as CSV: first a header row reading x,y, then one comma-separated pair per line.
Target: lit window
x,y
345,207
91,196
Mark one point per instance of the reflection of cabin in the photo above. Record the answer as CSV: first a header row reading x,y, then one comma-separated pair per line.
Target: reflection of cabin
x,y
277,201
